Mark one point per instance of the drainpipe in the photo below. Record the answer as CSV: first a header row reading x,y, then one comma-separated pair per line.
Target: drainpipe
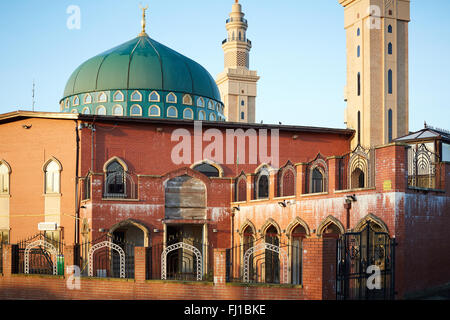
x,y
77,207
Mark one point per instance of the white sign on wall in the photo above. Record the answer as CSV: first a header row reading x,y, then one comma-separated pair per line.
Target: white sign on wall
x,y
47,226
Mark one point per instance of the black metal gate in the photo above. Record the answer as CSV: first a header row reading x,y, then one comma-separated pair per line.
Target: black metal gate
x,y
365,265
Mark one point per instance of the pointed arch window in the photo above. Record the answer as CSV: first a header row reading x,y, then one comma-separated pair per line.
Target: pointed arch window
x,y
102,97
201,115
358,51
317,181
115,178
389,29
359,83
101,111
52,177
358,32
67,103
390,48
187,100
87,99
200,103
212,117
262,184
86,111
390,82
118,96
76,101
136,96
154,111
154,97
4,178
241,188
171,98
210,105
390,125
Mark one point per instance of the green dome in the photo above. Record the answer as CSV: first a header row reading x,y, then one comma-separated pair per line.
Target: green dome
x,y
142,63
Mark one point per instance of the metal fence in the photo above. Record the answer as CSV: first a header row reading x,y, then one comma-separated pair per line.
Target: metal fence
x,y
39,255
180,259
106,257
357,169
265,262
424,168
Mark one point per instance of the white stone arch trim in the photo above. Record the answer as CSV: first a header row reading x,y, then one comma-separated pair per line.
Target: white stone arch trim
x,y
112,246
100,107
171,94
44,167
181,245
321,165
371,218
270,222
327,222
263,166
265,246
132,223
154,100
153,106
211,163
118,100
120,161
2,161
136,106
40,243
100,94
295,223
85,98
244,226
139,94
86,108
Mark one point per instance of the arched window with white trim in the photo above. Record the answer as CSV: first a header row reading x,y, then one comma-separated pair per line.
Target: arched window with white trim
x,y
188,114
212,117
118,96
154,111
210,105
171,98
4,178
136,96
200,102
187,99
172,112
102,97
86,111
87,99
118,110
52,177
201,115
76,101
101,111
115,178
154,97
136,110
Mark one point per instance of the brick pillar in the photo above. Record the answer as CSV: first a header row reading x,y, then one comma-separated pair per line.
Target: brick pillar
x,y
219,266
333,174
272,185
70,259
301,176
250,187
140,263
312,268
329,268
8,260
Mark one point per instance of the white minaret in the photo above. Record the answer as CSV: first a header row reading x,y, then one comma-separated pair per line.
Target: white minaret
x,y
237,84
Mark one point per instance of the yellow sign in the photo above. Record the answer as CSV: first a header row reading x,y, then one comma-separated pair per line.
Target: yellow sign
x,y
387,185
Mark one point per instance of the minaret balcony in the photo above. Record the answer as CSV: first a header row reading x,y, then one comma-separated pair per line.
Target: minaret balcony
x,y
236,20
237,39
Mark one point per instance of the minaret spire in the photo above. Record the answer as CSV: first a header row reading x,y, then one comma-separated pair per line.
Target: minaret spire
x,y
143,33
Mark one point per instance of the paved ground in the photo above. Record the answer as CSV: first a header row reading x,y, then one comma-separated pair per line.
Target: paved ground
x,y
441,295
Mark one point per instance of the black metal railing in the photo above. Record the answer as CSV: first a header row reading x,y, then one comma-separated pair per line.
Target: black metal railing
x,y
424,169
263,262
106,257
39,254
183,262
357,169
120,185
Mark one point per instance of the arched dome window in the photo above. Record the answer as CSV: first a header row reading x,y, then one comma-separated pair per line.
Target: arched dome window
x,y
102,97
52,177
74,111
210,105
76,101
136,110
171,98
67,103
118,110
101,111
118,96
207,169
154,111
212,117
172,112
136,96
187,100
200,102
87,99
201,115
86,111
4,178
188,114
154,97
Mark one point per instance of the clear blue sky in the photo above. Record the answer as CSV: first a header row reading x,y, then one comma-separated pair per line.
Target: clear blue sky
x,y
298,50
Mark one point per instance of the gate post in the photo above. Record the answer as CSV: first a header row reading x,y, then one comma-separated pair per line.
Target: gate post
x,y
220,266
70,258
140,264
10,259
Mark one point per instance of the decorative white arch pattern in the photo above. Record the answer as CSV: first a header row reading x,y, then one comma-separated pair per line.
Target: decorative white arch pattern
x,y
265,246
40,243
181,245
112,246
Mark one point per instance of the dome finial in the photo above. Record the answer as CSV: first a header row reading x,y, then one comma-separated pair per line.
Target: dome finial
x,y
143,33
